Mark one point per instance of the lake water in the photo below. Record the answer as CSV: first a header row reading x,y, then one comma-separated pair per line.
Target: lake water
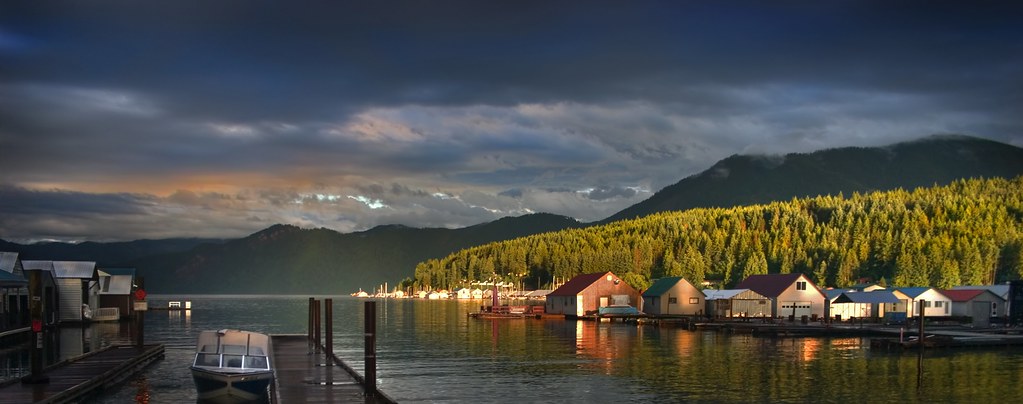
x,y
429,351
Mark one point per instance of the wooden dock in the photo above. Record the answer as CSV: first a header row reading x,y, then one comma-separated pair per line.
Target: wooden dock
x,y
948,339
305,374
78,378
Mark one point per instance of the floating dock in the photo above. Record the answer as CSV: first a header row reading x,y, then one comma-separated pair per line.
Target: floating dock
x,y
77,379
306,374
949,339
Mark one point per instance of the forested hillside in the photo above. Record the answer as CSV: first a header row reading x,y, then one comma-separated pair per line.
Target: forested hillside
x,y
969,232
751,179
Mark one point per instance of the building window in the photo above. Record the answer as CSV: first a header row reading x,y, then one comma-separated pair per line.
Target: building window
x,y
672,300
694,300
927,303
937,304
801,285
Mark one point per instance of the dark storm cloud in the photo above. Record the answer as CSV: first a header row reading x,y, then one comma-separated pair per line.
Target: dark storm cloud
x,y
19,201
351,114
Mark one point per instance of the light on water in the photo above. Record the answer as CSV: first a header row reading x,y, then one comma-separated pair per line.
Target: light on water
x,y
429,351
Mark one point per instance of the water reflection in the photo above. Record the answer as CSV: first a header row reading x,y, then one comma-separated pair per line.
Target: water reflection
x,y
62,343
429,351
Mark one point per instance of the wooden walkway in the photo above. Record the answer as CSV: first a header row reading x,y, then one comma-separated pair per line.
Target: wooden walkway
x,y
78,378
305,376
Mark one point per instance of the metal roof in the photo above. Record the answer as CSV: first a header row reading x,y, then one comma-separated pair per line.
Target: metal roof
x,y
32,265
663,285
833,294
1000,290
116,285
914,291
576,285
10,279
7,261
874,296
774,284
119,271
74,269
715,294
965,295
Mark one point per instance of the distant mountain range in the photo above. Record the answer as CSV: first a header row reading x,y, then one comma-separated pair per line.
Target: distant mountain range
x,y
287,259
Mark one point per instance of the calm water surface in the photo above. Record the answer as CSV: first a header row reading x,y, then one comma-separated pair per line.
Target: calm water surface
x,y
428,351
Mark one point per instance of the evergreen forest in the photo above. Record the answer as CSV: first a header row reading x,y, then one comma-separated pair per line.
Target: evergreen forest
x,y
968,232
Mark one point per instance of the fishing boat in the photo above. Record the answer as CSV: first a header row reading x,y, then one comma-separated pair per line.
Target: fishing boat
x,y
232,366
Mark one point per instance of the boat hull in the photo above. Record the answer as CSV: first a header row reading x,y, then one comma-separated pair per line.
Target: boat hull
x,y
222,387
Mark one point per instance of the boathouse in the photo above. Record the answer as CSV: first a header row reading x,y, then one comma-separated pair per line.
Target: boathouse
x,y
115,291
872,304
1001,291
77,285
50,292
974,303
673,296
935,303
586,294
463,293
736,303
13,293
791,294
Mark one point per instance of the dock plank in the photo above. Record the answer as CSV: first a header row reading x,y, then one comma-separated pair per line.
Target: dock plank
x,y
79,377
306,376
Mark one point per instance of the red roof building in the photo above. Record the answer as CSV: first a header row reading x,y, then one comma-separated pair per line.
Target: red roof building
x,y
585,294
975,302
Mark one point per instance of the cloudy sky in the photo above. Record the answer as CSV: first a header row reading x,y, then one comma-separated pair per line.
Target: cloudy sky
x,y
122,120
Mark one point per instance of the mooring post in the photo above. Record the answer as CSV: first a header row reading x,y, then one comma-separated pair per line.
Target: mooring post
x,y
35,304
920,316
328,322
140,315
316,325
371,347
309,320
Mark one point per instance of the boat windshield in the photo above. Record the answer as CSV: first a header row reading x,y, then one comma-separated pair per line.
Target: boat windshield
x,y
232,349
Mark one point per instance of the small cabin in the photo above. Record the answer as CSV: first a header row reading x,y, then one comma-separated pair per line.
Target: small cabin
x,y
673,296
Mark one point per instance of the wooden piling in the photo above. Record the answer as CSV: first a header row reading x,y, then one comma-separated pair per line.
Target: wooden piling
x,y
316,324
328,321
370,315
309,321
35,288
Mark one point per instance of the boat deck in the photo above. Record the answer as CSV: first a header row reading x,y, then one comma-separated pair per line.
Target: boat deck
x,y
304,375
78,378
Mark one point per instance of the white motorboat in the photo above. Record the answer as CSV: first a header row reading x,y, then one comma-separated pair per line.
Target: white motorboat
x,y
232,366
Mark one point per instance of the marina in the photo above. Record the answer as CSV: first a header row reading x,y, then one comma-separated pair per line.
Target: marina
x,y
430,351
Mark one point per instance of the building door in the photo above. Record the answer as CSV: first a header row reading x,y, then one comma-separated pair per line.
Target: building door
x,y
798,309
981,314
